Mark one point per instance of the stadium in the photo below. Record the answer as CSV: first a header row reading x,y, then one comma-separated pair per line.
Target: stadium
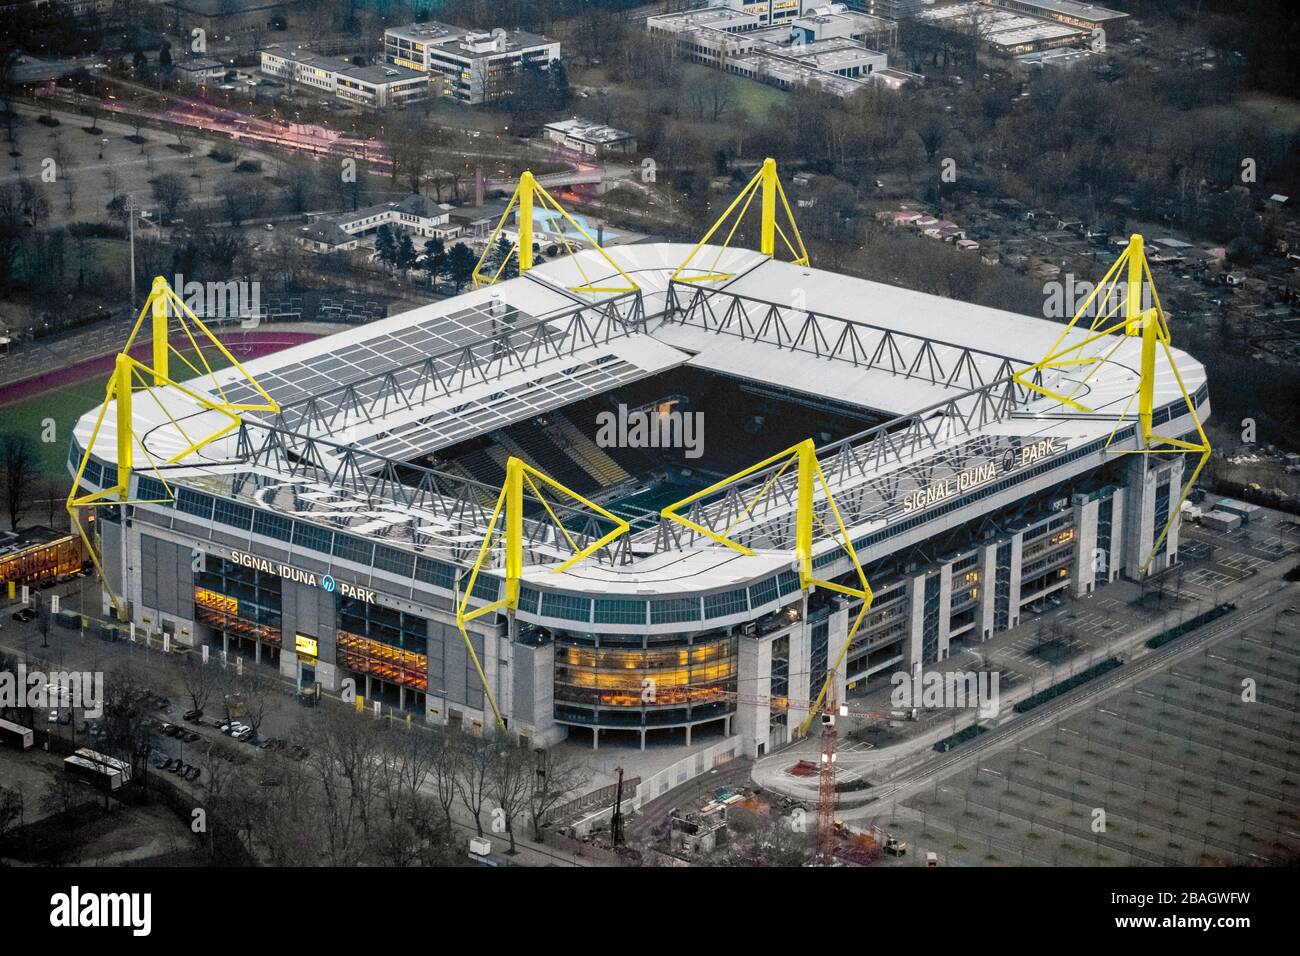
x,y
432,507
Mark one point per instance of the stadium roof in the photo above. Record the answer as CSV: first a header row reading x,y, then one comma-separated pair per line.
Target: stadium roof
x,y
361,404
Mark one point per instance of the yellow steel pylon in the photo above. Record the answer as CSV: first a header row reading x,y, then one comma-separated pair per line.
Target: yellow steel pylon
x,y
131,375
810,476
528,195
510,505
767,186
1151,323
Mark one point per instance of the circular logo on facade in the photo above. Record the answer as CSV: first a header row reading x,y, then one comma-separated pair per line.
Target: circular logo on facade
x,y
1009,459
327,582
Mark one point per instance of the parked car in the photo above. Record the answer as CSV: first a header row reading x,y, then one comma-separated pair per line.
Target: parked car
x,y
23,615
192,716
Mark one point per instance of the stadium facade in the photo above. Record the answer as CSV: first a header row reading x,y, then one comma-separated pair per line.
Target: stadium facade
x,y
331,539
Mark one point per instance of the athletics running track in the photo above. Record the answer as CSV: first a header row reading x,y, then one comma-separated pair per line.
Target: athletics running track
x,y
242,345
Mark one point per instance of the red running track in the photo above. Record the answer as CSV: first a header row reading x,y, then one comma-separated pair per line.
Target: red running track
x,y
242,345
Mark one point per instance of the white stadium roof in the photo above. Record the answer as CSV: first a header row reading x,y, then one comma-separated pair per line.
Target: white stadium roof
x,y
411,384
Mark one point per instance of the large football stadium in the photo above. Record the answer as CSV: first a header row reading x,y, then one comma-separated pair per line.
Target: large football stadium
x,y
336,511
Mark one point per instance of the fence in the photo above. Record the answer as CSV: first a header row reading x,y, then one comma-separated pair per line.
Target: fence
x,y
685,769
602,797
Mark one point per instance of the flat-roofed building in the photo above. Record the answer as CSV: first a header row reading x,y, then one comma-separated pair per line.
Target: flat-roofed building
x,y
421,217
1006,32
890,9
823,49
379,86
590,139
477,66
1085,16
382,85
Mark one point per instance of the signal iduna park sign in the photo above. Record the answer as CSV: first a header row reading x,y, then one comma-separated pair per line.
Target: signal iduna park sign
x,y
302,576
1014,459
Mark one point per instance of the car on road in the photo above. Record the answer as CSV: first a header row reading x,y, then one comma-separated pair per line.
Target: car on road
x,y
192,716
23,615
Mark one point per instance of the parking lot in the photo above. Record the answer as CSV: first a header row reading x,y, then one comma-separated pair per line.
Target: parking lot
x,y
1177,770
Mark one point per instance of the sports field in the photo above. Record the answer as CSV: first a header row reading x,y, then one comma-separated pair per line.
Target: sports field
x,y
46,408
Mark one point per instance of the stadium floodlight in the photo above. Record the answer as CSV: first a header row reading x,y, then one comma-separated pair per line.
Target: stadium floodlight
x,y
1117,310
767,186
529,194
130,376
510,509
810,478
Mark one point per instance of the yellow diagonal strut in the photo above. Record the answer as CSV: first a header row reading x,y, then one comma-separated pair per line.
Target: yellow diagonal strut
x,y
527,196
810,477
767,186
1128,314
130,377
509,510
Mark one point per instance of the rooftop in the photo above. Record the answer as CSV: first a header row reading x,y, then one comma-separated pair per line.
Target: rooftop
x,y
357,404
446,35
381,73
1083,11
589,131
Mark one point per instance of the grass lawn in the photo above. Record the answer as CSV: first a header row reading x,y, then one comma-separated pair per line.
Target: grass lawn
x,y
65,405
1281,113
752,98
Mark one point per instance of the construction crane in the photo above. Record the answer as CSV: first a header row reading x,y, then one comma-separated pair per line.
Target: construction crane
x,y
827,833
826,836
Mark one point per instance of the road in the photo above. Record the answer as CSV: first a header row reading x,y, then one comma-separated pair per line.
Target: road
x,y
69,650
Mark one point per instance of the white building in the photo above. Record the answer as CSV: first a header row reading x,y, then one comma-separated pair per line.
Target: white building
x,y
199,70
377,86
476,66
590,139
822,48
344,231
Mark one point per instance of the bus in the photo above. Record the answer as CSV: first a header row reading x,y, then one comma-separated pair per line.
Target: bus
x,y
16,735
100,771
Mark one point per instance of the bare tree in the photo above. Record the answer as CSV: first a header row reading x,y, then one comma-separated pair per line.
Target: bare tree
x,y
557,776
445,769
256,692
474,782
510,782
347,769
200,680
20,467
931,131
171,192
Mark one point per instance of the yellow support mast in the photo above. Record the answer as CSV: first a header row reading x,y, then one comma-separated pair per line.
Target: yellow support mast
x,y
1127,313
809,477
528,195
130,376
509,511
767,186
